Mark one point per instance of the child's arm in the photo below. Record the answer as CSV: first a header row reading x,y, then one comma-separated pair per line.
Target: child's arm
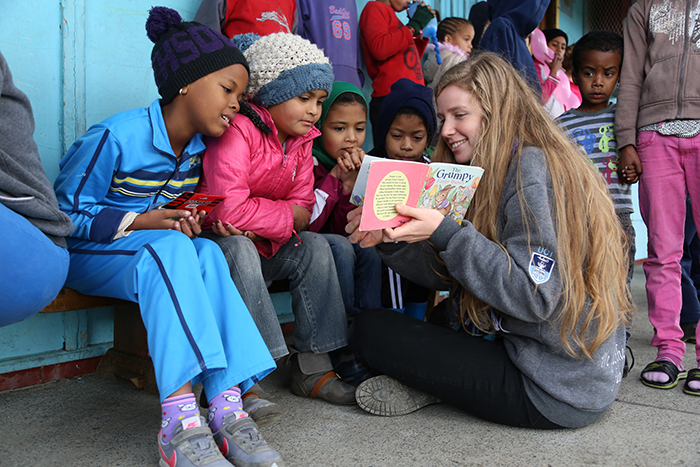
x,y
228,168
629,166
301,195
382,38
86,175
548,84
632,77
336,187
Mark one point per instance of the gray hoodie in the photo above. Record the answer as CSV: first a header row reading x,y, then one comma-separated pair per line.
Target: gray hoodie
x,y
24,187
524,292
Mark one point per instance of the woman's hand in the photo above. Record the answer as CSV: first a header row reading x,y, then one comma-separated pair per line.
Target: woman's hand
x,y
422,225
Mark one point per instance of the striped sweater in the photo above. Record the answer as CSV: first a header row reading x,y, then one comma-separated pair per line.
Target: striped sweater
x,y
595,133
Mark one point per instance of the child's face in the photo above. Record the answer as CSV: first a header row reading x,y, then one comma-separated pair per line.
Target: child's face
x,y
296,116
462,116
558,45
212,101
596,78
407,138
462,38
397,5
344,128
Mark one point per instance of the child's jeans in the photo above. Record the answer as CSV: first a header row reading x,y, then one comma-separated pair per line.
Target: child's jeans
x,y
359,274
320,323
671,168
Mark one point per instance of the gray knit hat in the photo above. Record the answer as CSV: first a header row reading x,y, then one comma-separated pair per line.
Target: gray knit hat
x,y
283,66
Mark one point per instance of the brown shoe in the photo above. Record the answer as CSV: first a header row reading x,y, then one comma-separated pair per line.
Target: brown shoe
x,y
313,376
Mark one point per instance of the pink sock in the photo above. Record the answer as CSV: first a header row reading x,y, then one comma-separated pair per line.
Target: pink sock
x,y
694,385
223,404
179,409
660,376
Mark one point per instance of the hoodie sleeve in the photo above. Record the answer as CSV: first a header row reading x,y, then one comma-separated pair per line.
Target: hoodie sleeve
x,y
212,13
631,77
301,192
86,175
381,37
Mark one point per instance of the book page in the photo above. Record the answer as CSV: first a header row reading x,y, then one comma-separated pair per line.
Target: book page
x,y
357,197
390,183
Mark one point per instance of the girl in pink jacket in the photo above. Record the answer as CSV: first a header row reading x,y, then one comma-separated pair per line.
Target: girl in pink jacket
x,y
263,165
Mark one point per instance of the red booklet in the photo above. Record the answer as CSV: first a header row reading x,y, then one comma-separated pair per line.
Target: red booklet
x,y
189,200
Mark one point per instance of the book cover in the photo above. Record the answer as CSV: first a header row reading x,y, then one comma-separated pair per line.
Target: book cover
x,y
449,188
189,200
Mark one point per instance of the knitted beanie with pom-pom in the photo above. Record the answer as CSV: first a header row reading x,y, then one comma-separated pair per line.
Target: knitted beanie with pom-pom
x,y
283,66
185,51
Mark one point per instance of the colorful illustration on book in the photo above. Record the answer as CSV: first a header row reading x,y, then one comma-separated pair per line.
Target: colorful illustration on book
x,y
451,200
382,184
392,190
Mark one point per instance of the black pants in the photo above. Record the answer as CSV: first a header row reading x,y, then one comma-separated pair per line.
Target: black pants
x,y
469,372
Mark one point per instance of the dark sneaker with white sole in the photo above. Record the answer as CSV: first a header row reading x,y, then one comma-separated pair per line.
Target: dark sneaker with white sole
x,y
193,447
387,397
240,442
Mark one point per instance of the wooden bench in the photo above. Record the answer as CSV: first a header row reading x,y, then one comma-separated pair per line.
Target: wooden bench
x,y
128,361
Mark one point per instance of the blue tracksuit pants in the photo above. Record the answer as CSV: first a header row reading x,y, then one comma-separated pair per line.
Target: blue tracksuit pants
x,y
199,329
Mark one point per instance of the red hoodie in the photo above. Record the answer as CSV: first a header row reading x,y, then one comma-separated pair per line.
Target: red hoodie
x,y
391,52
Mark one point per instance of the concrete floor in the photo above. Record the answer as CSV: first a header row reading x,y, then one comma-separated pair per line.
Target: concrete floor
x,y
89,421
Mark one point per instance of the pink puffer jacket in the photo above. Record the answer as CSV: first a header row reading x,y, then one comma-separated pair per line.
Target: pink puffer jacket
x,y
260,181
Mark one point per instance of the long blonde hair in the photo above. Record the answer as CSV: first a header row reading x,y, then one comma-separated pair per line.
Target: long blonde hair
x,y
591,255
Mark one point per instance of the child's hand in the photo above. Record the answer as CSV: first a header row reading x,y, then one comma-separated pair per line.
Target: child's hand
x,y
301,218
226,230
629,165
159,219
192,224
555,65
347,168
420,19
365,239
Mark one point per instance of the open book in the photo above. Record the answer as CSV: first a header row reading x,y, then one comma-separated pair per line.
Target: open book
x,y
384,183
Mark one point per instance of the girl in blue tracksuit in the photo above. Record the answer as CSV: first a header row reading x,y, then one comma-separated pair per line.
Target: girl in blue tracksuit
x,y
112,180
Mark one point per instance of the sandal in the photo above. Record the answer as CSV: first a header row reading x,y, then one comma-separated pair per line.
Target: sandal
x,y
693,375
663,366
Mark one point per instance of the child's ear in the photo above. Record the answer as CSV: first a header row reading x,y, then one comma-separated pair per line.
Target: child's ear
x,y
447,39
573,78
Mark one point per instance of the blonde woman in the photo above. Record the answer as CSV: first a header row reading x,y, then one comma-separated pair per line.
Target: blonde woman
x,y
538,262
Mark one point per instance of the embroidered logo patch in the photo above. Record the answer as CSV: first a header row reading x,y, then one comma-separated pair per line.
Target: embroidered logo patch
x,y
541,268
